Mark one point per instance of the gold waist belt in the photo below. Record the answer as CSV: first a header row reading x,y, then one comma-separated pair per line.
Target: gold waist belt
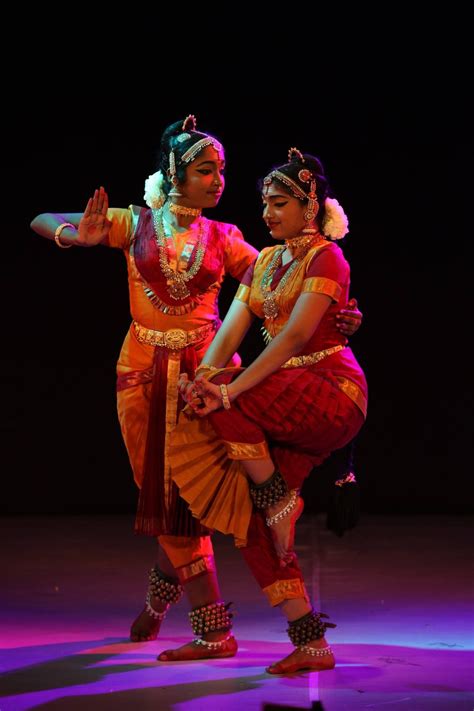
x,y
311,358
174,338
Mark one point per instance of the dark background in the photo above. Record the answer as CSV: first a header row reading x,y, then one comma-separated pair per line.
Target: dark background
x,y
386,110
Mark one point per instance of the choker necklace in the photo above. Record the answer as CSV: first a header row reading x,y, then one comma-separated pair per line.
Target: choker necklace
x,y
182,210
302,241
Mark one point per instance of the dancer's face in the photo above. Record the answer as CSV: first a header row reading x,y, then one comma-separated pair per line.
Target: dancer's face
x,y
282,212
205,180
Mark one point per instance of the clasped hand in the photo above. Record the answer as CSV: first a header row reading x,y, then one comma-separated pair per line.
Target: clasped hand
x,y
201,395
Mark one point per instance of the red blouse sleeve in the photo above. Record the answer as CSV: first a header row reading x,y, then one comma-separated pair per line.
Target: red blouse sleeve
x,y
327,273
243,292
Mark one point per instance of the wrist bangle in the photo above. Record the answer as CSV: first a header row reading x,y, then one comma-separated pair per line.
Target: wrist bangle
x,y
225,397
57,235
203,368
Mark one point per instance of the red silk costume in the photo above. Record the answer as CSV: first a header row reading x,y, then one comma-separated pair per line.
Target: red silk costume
x,y
312,405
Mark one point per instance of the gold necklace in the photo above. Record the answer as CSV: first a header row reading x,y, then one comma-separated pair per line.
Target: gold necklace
x,y
176,281
270,302
302,241
270,305
182,210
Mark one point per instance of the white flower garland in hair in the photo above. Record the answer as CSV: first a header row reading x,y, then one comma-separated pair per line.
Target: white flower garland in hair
x,y
154,195
335,222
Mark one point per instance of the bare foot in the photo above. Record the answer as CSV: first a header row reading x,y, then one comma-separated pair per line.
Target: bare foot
x,y
283,531
145,628
299,661
193,650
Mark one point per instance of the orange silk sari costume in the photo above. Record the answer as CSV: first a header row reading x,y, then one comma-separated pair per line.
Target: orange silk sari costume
x,y
167,336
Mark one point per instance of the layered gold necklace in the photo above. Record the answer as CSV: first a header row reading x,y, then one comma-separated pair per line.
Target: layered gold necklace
x,y
270,302
177,281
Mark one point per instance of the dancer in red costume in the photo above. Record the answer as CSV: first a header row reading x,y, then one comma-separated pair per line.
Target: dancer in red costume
x,y
302,398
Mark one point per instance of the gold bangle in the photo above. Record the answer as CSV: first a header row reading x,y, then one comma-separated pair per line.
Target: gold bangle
x,y
57,235
225,397
203,368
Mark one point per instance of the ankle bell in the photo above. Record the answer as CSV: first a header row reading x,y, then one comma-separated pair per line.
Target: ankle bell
x,y
163,587
270,492
211,618
308,628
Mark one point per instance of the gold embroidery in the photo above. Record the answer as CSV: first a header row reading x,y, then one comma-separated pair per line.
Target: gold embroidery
x,y
243,450
354,392
322,285
243,293
174,365
310,358
282,590
174,338
203,565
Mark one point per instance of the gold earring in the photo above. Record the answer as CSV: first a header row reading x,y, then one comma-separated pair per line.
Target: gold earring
x,y
174,192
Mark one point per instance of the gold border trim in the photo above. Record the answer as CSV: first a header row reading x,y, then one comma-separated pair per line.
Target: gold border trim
x,y
244,450
243,293
353,391
203,565
282,590
174,365
173,338
311,358
322,285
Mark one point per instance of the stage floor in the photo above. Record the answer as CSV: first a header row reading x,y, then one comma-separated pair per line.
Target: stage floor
x,y
399,589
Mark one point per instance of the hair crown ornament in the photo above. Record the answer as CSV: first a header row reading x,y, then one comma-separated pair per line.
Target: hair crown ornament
x,y
189,123
295,152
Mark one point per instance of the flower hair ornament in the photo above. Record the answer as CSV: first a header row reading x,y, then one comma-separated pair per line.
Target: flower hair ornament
x,y
154,194
335,223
